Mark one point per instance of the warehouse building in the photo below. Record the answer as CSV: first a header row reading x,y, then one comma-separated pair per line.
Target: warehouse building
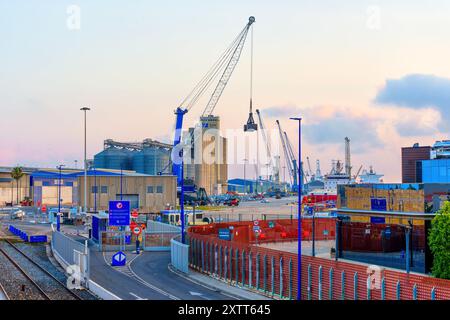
x,y
13,192
148,194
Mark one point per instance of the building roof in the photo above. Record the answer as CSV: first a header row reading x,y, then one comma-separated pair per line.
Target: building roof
x,y
376,213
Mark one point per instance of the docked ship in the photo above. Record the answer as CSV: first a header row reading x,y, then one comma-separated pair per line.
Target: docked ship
x,y
370,176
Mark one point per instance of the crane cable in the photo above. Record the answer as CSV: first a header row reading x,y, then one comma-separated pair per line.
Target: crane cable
x,y
251,69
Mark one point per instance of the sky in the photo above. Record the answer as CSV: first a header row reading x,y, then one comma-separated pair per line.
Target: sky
x,y
375,71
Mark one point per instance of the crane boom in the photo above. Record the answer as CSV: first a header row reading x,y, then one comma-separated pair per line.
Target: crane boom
x,y
275,169
286,154
228,70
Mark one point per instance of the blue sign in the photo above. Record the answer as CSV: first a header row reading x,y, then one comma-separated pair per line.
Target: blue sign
x,y
378,204
377,220
119,259
225,234
387,233
256,228
38,238
119,213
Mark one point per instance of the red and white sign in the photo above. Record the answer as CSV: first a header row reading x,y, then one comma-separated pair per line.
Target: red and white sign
x,y
134,213
133,225
44,208
256,222
119,205
137,230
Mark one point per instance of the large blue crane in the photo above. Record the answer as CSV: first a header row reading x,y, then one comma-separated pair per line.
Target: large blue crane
x,y
225,66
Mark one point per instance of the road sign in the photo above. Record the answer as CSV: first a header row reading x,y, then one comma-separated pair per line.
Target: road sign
x,y
119,213
256,222
137,230
271,224
119,259
225,234
256,228
134,213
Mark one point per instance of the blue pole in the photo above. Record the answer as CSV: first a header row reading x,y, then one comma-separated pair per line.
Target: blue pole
x,y
299,191
121,175
96,190
59,200
182,198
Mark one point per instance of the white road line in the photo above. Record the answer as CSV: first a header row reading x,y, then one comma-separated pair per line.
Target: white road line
x,y
135,277
136,296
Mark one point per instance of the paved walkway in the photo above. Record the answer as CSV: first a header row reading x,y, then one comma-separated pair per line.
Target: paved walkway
x,y
214,284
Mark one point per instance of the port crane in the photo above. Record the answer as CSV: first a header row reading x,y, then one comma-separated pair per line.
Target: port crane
x,y
275,169
224,66
289,157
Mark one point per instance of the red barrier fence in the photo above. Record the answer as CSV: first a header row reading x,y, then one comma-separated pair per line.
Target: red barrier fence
x,y
271,230
274,273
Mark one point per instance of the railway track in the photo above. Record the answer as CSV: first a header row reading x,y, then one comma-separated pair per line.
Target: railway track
x,y
34,281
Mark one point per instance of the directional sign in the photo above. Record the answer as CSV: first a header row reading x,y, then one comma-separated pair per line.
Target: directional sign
x,y
119,259
119,213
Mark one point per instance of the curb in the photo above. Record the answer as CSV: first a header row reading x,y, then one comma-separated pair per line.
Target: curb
x,y
209,286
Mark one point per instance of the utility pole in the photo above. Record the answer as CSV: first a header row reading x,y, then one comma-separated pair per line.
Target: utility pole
x,y
84,109
58,223
245,181
299,208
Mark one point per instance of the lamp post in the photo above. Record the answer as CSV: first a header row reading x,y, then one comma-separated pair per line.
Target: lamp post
x,y
58,224
245,181
84,109
299,191
182,197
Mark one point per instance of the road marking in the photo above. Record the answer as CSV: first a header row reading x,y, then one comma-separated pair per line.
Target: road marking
x,y
192,293
136,296
131,274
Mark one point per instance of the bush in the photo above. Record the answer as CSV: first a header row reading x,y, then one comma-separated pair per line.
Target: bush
x,y
439,241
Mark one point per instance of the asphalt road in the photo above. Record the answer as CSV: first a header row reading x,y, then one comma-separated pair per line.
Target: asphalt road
x,y
147,277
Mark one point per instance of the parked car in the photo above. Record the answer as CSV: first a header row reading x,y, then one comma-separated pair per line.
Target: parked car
x,y
18,214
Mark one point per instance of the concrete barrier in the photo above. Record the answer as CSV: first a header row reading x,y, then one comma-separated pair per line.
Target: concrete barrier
x,y
179,255
101,292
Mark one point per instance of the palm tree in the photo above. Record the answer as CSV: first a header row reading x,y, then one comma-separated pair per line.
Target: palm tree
x,y
16,174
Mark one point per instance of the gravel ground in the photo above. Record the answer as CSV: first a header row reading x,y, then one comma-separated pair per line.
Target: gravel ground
x,y
37,252
13,281
50,286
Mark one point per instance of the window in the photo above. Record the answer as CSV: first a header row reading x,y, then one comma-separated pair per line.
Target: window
x,y
94,189
104,189
150,189
159,189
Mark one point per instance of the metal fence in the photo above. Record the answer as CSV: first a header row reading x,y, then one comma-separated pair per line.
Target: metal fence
x,y
156,237
179,255
70,252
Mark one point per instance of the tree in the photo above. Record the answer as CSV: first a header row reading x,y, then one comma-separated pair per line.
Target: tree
x,y
439,241
16,174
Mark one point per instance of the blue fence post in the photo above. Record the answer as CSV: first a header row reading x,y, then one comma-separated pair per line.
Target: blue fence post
x,y
281,277
383,289
250,273
265,273
309,281
203,257
236,276
320,282
369,288
355,286
343,285
290,279
225,263
230,263
243,268
272,275
398,290
257,271
330,291
219,260
433,293
415,292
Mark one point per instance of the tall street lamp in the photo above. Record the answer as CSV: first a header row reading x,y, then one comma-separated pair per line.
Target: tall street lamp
x,y
299,191
84,109
245,181
58,223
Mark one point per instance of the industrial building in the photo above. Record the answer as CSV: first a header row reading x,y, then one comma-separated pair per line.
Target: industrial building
x,y
148,194
146,157
411,157
251,186
10,189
